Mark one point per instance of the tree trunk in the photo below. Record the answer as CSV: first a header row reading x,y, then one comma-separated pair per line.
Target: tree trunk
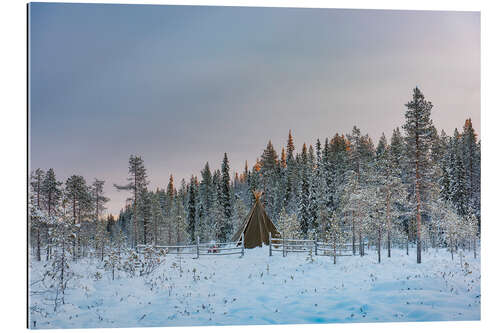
x,y
155,236
419,241
451,248
379,240
334,250
353,236
38,257
474,246
417,193
408,243
388,213
361,245
135,205
48,242
62,266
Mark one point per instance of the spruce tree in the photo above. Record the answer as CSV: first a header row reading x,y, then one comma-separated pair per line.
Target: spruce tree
x,y
418,137
225,199
269,174
355,143
458,191
305,193
191,228
206,198
179,221
290,174
472,167
390,187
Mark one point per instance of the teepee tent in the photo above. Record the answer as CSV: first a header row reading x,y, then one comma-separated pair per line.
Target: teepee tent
x,y
256,226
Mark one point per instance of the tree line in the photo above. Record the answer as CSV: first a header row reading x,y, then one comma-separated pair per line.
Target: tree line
x,y
418,186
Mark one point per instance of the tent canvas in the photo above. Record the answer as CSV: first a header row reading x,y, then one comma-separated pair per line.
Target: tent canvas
x,y
256,227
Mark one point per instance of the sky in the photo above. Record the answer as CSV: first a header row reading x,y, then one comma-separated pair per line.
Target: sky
x,y
181,85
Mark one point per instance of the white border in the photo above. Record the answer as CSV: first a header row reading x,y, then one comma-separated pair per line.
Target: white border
x,y
13,161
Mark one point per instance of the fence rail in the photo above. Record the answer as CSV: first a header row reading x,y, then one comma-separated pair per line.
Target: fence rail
x,y
200,249
286,245
283,245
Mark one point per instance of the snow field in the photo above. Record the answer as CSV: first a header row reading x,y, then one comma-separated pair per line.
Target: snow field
x,y
258,289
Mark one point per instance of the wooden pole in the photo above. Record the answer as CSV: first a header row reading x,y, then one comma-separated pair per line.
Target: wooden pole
x,y
197,247
283,243
335,250
315,247
270,247
242,244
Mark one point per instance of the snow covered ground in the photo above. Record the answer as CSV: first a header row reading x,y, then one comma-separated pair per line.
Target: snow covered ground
x,y
258,289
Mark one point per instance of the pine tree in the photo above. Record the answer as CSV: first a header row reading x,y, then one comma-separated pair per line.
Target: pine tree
x,y
158,217
418,136
99,200
137,185
98,197
36,203
101,237
144,208
51,191
61,272
76,192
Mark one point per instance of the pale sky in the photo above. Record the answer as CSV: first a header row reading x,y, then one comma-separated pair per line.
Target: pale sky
x,y
181,85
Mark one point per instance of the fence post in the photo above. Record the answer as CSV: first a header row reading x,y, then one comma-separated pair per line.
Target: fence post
x,y
315,246
270,247
242,244
197,247
283,243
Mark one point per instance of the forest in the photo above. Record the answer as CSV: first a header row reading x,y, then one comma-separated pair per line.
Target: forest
x,y
419,186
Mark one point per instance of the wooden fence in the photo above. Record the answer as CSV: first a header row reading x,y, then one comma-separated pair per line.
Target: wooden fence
x,y
317,248
200,249
280,245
